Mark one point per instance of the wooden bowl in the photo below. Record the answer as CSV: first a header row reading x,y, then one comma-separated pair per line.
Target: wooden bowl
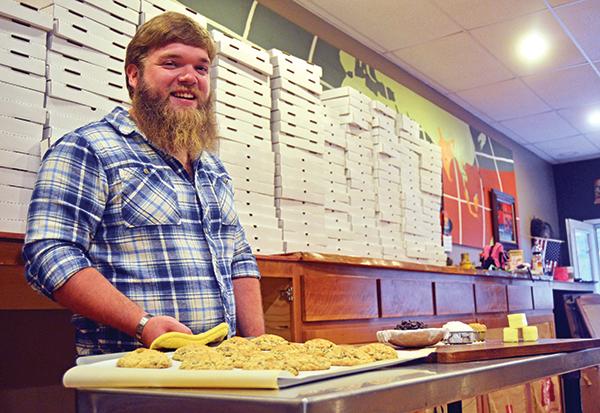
x,y
422,337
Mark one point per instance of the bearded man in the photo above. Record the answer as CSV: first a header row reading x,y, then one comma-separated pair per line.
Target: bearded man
x,y
131,224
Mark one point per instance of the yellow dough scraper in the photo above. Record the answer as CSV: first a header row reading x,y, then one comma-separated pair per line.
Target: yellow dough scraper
x,y
174,340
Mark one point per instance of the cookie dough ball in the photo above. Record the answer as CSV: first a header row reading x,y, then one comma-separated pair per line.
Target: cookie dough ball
x,y
319,346
144,358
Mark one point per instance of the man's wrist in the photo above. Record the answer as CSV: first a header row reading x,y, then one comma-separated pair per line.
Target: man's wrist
x,y
139,329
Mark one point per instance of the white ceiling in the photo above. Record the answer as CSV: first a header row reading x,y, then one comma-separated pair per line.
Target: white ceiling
x,y
465,49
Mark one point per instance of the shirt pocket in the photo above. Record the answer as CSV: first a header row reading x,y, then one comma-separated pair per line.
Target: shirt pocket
x,y
148,198
224,194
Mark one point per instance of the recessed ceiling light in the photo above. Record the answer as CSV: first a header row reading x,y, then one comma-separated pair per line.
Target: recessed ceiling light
x,y
594,118
533,46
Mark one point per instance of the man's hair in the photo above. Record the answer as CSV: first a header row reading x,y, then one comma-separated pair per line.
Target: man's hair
x,y
162,30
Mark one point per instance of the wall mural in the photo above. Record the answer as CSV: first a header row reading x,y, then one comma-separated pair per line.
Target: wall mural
x,y
473,163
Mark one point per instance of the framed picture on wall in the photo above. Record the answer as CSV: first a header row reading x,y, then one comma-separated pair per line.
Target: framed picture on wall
x,y
504,219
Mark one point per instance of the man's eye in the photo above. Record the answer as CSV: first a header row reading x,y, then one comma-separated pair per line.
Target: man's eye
x,y
169,63
202,69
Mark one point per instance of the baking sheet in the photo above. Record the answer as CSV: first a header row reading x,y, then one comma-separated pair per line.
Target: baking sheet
x,y
105,373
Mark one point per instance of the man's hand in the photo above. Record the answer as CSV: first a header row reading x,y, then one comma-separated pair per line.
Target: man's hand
x,y
159,325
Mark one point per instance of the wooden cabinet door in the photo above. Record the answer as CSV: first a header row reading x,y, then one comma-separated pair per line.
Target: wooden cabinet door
x,y
339,297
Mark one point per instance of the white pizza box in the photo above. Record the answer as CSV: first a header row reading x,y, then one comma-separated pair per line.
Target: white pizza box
x,y
295,89
355,119
389,174
335,176
388,228
335,139
380,135
243,52
17,200
50,136
267,248
313,237
361,194
299,208
69,115
242,128
341,92
245,159
386,149
13,127
337,218
220,74
240,114
297,116
25,11
19,143
19,161
338,188
23,63
297,70
89,33
12,42
86,76
383,123
302,173
152,8
292,246
299,130
13,225
221,96
83,97
434,188
255,148
280,140
278,94
95,13
311,226
380,107
388,185
334,153
260,173
297,157
18,30
232,69
251,208
313,114
346,106
128,10
336,206
359,146
406,124
70,48
256,186
237,91
10,210
256,219
367,204
15,178
19,102
339,233
299,194
306,182
279,57
256,231
357,169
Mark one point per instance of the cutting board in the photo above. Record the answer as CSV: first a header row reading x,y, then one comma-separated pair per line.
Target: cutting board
x,y
495,349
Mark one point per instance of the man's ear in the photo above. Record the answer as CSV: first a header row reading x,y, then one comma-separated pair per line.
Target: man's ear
x,y
133,74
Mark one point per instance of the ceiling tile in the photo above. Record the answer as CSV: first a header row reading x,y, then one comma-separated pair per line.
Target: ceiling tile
x,y
391,24
568,148
556,3
475,111
575,86
501,40
508,133
421,76
583,21
578,117
594,138
476,13
455,61
505,100
540,127
537,151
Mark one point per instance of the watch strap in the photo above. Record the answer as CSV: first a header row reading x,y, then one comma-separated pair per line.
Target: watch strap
x,y
139,329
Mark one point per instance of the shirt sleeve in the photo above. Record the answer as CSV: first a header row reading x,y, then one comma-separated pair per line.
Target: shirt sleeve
x,y
66,207
244,262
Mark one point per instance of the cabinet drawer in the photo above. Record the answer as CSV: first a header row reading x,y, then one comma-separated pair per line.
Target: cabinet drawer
x,y
519,297
454,298
490,298
402,298
339,297
542,297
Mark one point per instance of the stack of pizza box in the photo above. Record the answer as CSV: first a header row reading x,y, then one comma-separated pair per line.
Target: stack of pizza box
x,y
338,225
240,81
23,32
386,171
86,55
421,182
300,185
152,8
352,111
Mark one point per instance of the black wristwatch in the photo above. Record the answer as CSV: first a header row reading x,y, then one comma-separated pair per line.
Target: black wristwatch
x,y
139,329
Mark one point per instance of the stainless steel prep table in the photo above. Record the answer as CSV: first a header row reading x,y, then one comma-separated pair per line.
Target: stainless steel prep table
x,y
400,389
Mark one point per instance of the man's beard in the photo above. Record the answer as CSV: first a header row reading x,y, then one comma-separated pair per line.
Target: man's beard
x,y
174,130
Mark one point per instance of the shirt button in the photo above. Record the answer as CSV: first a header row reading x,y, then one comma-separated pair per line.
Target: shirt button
x,y
146,171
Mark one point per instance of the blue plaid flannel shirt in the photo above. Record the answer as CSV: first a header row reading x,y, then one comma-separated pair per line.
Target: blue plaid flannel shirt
x,y
106,198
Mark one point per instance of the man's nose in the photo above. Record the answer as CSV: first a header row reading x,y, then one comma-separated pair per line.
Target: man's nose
x,y
187,75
